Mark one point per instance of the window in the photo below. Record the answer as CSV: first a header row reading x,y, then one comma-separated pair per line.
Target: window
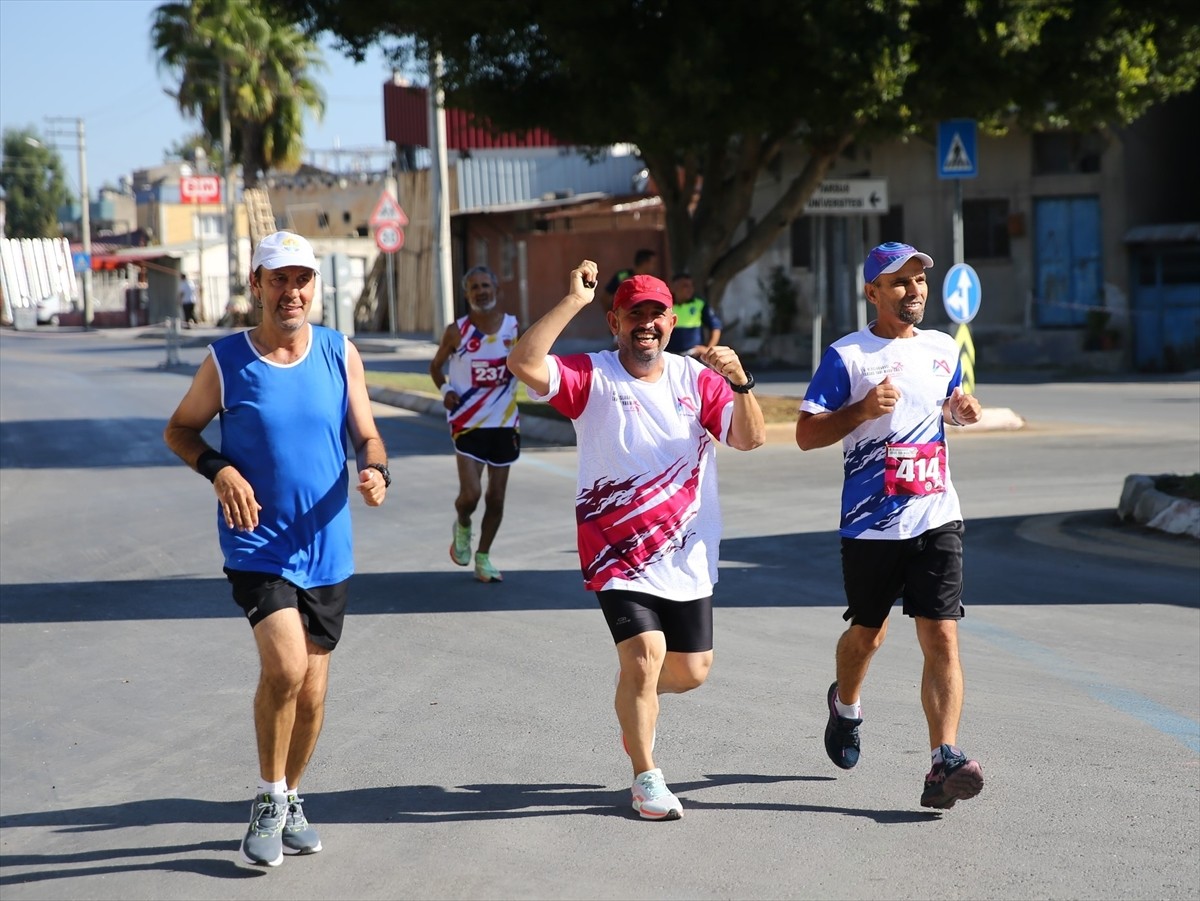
x,y
209,226
1066,152
985,229
891,225
801,240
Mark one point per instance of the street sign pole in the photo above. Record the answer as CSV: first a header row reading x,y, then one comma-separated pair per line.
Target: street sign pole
x,y
389,221
962,293
393,311
956,222
957,159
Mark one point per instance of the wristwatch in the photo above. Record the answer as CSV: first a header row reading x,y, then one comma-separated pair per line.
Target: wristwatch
x,y
743,389
383,471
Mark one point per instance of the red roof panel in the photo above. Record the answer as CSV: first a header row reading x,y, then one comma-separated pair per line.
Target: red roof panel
x,y
406,122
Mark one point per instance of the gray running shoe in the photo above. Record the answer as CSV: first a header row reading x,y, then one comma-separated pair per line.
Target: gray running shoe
x,y
263,844
299,837
842,742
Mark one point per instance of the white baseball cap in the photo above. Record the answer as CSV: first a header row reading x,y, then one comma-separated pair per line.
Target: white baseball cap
x,y
284,249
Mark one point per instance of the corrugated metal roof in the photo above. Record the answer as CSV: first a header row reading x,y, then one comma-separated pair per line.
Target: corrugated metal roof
x,y
490,179
1170,233
406,122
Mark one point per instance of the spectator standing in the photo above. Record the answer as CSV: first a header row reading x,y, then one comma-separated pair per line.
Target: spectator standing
x,y
698,328
187,300
644,261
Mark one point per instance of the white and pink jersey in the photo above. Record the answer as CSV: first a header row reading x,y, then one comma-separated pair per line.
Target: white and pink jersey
x,y
478,371
647,509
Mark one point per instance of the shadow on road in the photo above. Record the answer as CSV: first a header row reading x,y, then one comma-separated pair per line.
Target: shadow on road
x,y
138,441
401,804
1090,553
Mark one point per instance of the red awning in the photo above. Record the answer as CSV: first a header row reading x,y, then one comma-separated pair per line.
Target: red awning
x,y
107,262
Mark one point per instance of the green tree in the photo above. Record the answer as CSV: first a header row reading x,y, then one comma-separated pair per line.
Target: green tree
x,y
718,95
34,186
185,149
267,66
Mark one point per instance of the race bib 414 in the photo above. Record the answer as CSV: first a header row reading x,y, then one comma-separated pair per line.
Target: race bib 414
x,y
915,469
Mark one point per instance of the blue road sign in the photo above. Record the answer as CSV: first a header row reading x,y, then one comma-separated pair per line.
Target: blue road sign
x,y
81,261
956,149
961,293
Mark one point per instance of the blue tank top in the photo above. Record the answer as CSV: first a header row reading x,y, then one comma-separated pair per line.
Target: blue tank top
x,y
284,428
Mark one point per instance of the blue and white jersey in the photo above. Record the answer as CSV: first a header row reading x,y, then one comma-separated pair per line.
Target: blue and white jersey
x,y
284,428
897,476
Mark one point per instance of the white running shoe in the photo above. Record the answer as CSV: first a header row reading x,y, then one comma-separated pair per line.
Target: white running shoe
x,y
652,799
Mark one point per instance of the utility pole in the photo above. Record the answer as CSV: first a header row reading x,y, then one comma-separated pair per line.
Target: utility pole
x,y
200,157
231,238
85,216
443,311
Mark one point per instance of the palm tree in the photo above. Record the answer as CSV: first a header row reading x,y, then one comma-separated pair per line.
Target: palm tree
x,y
266,79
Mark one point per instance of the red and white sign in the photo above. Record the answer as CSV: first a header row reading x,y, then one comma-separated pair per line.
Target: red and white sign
x,y
389,238
200,189
388,212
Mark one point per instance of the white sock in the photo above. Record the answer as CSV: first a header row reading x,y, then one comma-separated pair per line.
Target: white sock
x,y
272,788
850,711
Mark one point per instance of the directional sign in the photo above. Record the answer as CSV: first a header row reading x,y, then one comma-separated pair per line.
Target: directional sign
x,y
849,197
387,211
961,293
966,357
389,238
200,189
956,149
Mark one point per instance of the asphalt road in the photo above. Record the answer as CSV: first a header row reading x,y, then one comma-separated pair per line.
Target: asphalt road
x,y
470,750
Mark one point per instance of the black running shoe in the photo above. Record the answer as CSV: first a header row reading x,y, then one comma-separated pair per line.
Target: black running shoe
x,y
841,735
954,779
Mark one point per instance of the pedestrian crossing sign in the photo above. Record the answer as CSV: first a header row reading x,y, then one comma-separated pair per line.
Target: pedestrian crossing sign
x,y
956,149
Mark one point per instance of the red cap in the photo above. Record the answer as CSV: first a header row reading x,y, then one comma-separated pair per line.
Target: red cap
x,y
638,288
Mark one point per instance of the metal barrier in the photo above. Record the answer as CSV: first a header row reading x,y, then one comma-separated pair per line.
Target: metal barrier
x,y
171,335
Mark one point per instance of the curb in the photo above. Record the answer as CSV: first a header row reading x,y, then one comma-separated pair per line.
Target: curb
x,y
995,419
1146,505
531,426
1140,500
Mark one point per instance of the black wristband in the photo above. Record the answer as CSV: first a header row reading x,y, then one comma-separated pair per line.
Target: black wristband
x,y
209,463
743,389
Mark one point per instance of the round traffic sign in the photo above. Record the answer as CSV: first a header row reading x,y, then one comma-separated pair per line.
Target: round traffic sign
x,y
389,238
961,293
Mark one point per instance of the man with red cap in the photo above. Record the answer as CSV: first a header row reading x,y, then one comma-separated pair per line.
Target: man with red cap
x,y
647,512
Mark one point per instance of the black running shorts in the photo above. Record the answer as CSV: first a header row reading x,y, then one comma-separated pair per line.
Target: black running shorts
x,y
926,571
687,625
495,447
322,608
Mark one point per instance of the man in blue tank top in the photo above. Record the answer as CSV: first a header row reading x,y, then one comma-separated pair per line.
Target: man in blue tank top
x,y
288,394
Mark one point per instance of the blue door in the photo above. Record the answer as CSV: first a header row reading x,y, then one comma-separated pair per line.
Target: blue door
x,y
1166,307
1067,277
